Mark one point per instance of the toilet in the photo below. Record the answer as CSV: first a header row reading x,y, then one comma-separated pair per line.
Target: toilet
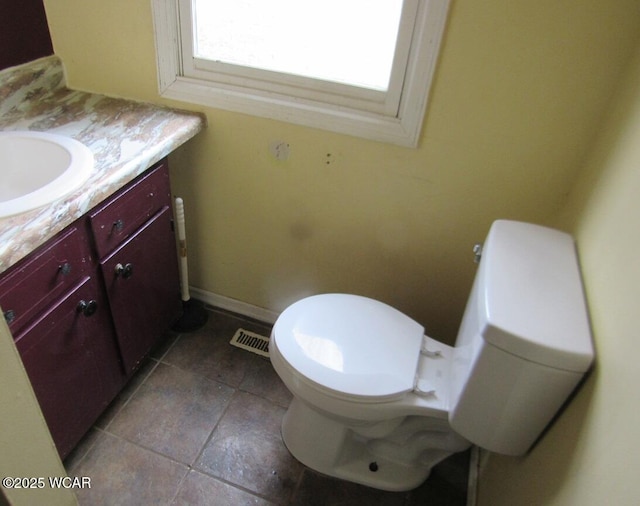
x,y
377,402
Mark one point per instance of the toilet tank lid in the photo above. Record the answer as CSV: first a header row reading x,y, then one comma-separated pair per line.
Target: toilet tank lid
x,y
350,346
533,297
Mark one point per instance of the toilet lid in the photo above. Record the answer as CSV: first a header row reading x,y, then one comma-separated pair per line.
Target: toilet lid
x,y
349,346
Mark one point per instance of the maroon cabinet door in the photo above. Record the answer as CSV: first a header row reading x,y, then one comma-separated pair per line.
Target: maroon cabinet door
x,y
72,362
143,289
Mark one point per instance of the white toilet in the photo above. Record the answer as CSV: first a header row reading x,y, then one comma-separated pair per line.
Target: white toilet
x,y
378,403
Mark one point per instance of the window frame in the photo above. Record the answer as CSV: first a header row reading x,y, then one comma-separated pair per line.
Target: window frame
x,y
399,123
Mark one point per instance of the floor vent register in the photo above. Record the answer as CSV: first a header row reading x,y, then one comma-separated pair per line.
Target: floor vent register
x,y
250,341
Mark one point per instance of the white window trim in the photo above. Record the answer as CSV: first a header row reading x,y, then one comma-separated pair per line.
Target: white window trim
x,y
402,129
306,88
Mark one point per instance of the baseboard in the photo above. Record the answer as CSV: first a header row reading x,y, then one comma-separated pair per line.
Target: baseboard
x,y
236,306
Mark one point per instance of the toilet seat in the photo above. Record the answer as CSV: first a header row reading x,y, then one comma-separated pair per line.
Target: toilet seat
x,y
350,347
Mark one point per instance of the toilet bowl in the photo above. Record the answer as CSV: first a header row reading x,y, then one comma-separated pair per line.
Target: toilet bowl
x,y
365,398
377,402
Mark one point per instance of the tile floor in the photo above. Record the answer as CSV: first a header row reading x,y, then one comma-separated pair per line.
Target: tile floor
x,y
200,424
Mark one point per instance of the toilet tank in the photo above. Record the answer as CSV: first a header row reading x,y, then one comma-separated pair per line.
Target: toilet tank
x,y
525,340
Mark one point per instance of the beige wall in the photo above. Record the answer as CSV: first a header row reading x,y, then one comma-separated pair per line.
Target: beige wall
x,y
518,94
590,457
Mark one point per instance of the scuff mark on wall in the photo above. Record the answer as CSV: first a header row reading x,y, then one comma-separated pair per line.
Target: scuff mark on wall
x,y
279,150
329,160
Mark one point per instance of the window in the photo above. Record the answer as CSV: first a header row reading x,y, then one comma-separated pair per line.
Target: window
x,y
360,67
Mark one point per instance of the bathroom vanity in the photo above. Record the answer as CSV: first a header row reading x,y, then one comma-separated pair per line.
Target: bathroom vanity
x,y
89,283
88,305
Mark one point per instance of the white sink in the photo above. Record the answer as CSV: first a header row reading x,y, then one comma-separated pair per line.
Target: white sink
x,y
37,168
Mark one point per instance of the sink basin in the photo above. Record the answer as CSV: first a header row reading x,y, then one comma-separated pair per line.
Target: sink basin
x,y
37,168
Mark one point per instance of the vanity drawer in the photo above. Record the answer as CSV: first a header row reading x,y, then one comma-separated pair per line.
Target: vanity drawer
x,y
31,286
129,209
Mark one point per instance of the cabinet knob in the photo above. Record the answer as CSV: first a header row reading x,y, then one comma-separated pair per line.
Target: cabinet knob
x,y
65,268
118,225
126,270
9,316
87,308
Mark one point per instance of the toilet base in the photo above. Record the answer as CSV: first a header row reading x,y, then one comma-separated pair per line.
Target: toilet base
x,y
330,447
